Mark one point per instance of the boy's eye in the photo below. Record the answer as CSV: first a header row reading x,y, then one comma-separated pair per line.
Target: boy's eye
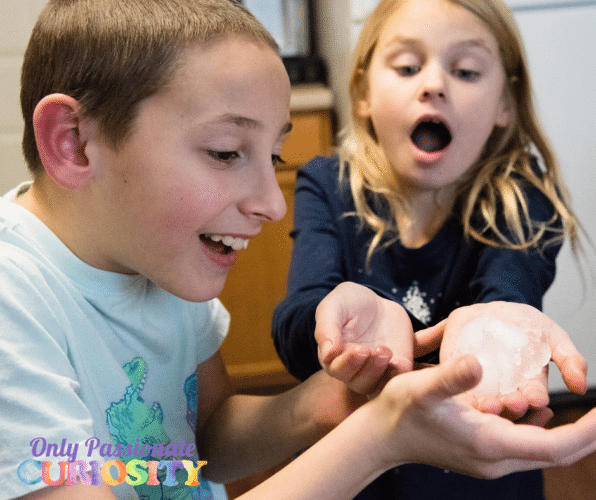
x,y
407,70
223,156
467,75
277,160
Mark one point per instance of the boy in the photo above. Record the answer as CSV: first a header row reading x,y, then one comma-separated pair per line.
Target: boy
x,y
152,131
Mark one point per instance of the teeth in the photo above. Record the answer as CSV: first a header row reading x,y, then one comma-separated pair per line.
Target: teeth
x,y
230,241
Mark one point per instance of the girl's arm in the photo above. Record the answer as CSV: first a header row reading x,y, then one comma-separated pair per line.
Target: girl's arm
x,y
323,257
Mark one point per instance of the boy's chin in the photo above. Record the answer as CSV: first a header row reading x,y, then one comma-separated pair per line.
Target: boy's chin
x,y
200,291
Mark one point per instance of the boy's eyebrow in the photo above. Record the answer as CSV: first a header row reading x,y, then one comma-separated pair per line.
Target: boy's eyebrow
x,y
245,122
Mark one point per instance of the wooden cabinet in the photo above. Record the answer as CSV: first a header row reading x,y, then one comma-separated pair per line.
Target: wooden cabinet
x,y
257,281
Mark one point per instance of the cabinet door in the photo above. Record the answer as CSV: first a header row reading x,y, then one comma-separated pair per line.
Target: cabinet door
x,y
257,281
255,284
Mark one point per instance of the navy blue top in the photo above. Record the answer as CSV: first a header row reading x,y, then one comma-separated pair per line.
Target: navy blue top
x,y
430,282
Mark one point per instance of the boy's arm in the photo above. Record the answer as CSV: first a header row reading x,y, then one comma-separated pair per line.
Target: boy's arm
x,y
415,419
239,435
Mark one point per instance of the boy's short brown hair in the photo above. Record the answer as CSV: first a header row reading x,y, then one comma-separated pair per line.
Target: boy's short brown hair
x,y
111,54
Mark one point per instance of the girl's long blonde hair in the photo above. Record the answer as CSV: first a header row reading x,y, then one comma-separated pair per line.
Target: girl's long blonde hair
x,y
498,179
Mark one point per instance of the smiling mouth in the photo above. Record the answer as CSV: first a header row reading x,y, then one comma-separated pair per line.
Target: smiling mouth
x,y
431,135
223,245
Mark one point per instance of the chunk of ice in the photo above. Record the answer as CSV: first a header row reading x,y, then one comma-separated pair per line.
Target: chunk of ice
x,y
509,355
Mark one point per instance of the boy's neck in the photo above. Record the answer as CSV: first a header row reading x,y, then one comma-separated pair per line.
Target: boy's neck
x,y
57,210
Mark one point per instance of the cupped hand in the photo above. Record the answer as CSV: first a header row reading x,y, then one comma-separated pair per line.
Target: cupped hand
x,y
429,423
533,395
363,338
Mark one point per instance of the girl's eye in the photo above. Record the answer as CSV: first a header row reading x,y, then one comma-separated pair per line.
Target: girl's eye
x,y
224,156
467,75
277,160
407,70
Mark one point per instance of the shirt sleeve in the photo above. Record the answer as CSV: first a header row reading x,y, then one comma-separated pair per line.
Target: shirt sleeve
x,y
521,276
316,266
215,331
39,390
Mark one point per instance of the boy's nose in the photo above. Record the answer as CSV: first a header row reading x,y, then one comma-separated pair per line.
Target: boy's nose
x,y
265,201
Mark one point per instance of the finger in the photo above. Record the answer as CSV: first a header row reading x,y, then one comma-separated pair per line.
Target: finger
x,y
559,446
328,338
331,316
429,339
329,350
535,393
515,405
345,366
372,376
568,360
574,372
489,404
539,417
400,364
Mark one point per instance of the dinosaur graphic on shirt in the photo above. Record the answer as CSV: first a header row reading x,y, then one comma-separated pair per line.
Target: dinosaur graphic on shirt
x,y
131,419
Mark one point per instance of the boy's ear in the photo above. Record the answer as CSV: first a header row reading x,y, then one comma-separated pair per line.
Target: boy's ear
x,y
61,149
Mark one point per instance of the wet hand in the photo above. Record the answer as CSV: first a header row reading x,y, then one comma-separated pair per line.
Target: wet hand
x,y
363,339
532,396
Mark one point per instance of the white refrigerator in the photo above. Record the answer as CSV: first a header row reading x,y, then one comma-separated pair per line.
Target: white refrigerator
x,y
561,46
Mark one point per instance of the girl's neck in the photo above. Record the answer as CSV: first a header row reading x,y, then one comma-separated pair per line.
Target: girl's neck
x,y
428,212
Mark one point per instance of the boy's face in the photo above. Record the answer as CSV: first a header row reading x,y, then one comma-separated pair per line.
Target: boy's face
x,y
198,165
435,92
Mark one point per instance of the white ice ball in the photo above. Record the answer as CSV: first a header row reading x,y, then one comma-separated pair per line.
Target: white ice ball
x,y
509,355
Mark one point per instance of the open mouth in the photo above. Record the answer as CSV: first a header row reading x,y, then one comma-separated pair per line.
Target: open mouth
x,y
223,245
431,135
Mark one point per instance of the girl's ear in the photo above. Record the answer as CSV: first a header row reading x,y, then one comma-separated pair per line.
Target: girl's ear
x,y
61,149
504,112
360,92
363,108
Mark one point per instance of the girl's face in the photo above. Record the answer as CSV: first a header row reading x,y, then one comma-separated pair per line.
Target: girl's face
x,y
435,92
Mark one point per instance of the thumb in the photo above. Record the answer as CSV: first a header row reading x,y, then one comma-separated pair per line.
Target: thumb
x,y
429,339
456,376
328,338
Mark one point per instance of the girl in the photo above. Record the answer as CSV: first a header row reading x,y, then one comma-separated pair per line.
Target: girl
x,y
436,201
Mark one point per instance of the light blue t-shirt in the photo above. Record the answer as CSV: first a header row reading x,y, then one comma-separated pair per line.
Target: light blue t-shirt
x,y
95,359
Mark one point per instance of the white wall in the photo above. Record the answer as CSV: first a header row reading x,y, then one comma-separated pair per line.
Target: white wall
x,y
17,18
562,57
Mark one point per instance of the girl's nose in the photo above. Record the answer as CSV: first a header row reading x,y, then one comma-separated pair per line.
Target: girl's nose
x,y
265,201
433,83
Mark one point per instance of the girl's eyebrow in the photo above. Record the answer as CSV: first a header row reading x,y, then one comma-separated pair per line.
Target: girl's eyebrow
x,y
401,40
463,44
474,43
